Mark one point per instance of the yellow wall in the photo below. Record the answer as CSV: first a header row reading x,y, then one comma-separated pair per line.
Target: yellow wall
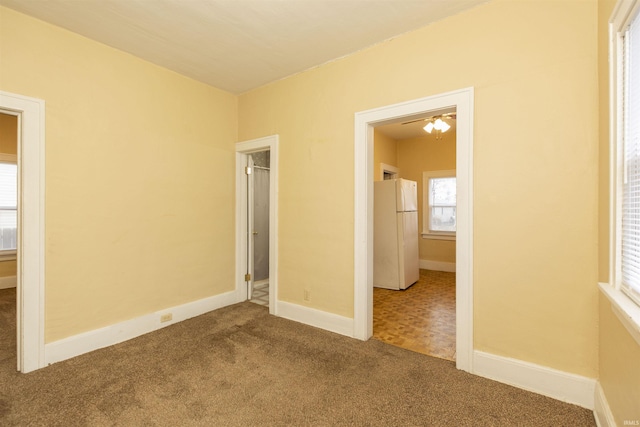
x,y
7,268
533,66
139,177
619,354
619,373
385,150
8,134
426,153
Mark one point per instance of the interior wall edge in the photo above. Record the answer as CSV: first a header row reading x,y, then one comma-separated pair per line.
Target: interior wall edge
x,y
601,410
427,264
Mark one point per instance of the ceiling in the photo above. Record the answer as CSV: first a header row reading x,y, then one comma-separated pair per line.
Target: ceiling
x,y
238,45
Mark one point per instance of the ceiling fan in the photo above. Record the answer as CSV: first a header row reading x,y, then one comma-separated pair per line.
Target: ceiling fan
x,y
445,116
436,123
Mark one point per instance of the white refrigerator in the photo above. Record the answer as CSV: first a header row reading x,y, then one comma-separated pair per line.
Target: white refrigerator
x,y
395,234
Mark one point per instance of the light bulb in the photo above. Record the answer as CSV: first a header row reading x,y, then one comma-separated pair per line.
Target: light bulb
x,y
429,127
444,127
438,124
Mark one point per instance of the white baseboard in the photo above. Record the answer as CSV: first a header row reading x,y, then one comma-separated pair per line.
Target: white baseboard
x,y
426,264
318,318
113,334
602,411
8,282
539,379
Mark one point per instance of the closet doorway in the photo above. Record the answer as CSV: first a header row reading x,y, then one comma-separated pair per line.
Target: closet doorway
x,y
257,221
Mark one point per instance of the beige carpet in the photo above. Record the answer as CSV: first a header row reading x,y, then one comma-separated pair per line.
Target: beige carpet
x,y
239,366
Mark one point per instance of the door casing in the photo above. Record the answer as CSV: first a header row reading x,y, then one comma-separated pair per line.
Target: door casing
x,y
365,121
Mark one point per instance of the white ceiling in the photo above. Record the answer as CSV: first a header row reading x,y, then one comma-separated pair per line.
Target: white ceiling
x,y
238,45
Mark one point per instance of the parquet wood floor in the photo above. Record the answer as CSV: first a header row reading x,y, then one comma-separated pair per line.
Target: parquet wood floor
x,y
421,318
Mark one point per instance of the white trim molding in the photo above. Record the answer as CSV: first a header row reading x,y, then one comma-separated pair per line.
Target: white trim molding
x,y
601,410
86,342
559,385
388,168
318,318
627,311
31,235
427,264
462,100
8,282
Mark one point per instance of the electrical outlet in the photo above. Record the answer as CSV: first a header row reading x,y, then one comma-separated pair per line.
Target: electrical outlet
x,y
166,317
307,295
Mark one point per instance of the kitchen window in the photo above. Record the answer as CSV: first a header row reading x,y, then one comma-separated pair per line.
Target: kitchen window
x,y
8,207
439,201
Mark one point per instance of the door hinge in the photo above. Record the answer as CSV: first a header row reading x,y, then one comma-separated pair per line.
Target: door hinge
x,y
247,170
247,277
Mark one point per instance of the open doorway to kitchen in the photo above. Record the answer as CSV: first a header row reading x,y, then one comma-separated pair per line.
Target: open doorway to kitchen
x,y
365,121
8,237
416,309
30,254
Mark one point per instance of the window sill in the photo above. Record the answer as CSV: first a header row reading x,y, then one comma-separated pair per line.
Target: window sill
x,y
434,236
626,310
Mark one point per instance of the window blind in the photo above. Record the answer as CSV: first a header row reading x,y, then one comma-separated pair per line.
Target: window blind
x,y
631,189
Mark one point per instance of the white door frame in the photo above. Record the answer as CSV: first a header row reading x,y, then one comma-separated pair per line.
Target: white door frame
x,y
243,149
31,237
365,121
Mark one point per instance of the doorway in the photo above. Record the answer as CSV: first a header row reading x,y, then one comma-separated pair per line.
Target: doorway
x,y
30,279
419,317
257,221
462,101
8,235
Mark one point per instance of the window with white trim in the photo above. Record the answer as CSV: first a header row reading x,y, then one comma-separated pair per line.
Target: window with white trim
x,y
626,148
8,205
439,202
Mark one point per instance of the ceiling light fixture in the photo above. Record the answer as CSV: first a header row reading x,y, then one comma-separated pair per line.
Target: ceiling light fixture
x,y
439,125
